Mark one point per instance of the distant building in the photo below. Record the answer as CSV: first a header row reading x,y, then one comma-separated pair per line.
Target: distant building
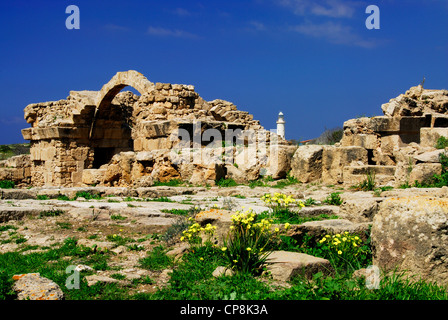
x,y
281,125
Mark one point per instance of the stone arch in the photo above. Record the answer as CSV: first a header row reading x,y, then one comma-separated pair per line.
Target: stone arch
x,y
119,81
110,132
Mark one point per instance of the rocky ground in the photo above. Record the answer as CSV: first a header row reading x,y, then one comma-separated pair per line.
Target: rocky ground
x,y
38,218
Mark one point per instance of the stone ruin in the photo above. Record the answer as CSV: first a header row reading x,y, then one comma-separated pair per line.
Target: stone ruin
x,y
114,138
397,147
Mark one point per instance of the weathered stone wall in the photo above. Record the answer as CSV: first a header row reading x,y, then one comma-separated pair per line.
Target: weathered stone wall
x,y
392,146
120,139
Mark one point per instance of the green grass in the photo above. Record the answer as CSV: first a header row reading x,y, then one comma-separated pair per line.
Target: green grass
x,y
117,217
7,184
286,182
10,150
436,181
87,195
291,217
51,213
50,264
334,199
160,199
171,183
226,183
156,259
191,278
441,143
368,184
180,212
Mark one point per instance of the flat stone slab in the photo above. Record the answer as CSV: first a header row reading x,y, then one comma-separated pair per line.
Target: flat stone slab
x,y
321,228
284,265
319,210
8,212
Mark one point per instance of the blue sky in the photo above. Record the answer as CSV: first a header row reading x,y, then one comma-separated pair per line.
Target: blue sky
x,y
313,60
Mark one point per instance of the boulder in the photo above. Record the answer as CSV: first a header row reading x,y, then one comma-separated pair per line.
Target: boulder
x,y
284,265
334,159
32,286
319,210
93,176
222,271
306,164
279,161
411,234
424,172
430,156
359,210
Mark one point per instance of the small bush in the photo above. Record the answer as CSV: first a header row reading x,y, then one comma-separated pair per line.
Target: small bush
x,y
51,213
249,243
87,195
441,143
369,183
7,184
334,199
117,217
171,183
226,182
309,202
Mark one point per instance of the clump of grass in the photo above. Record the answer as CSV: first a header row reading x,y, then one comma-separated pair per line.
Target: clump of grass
x,y
290,180
7,184
334,199
368,184
171,183
226,183
309,202
156,259
287,216
87,195
180,212
51,213
175,230
441,143
160,199
117,217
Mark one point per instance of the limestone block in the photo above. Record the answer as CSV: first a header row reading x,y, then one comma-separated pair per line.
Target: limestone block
x,y
422,172
284,265
359,210
93,176
410,234
279,160
429,136
367,141
80,154
384,175
306,164
383,124
430,156
334,159
390,143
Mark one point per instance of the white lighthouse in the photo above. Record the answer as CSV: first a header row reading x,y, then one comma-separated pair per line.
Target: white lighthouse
x,y
281,125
